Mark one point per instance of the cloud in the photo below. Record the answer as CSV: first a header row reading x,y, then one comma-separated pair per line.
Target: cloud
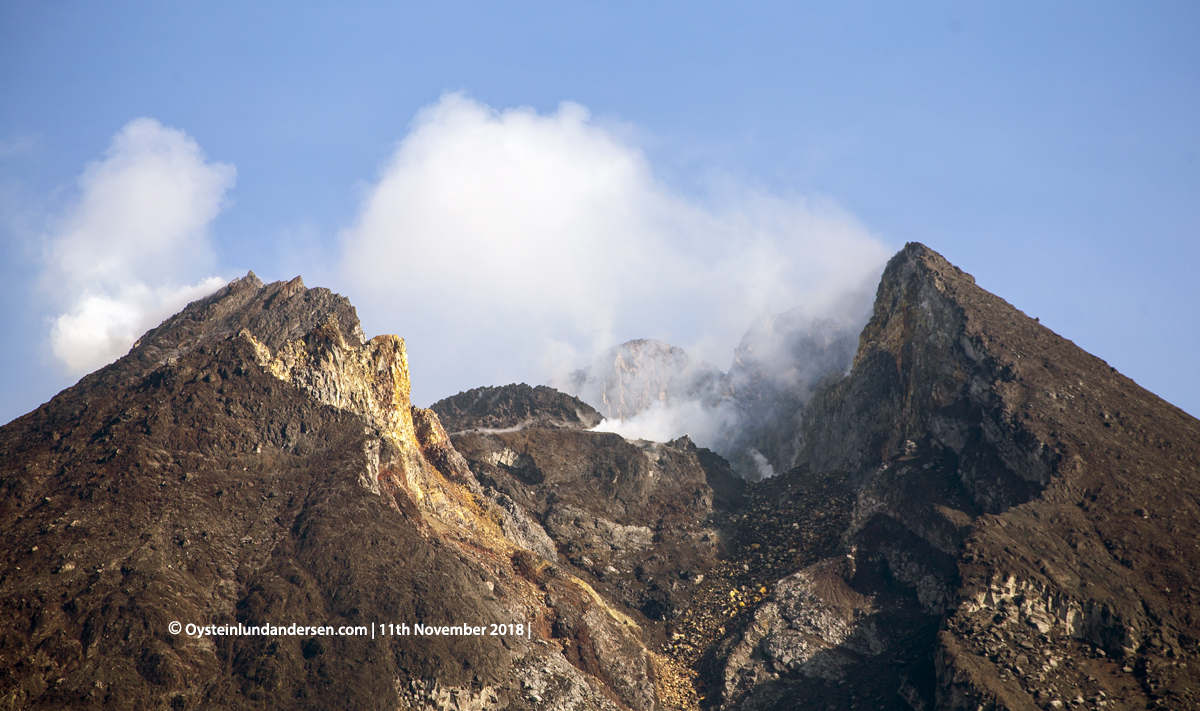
x,y
133,248
18,145
510,245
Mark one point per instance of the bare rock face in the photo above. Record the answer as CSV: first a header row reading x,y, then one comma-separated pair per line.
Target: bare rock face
x,y
514,407
1074,477
632,529
752,415
632,518
255,460
1033,508
813,625
981,516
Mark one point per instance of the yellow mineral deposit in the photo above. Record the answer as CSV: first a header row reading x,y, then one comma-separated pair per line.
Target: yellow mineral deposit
x,y
372,381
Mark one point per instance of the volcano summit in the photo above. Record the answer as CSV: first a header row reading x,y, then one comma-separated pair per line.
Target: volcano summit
x,y
978,515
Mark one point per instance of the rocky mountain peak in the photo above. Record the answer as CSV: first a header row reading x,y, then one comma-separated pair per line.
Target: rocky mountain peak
x,y
313,340
513,407
274,314
999,472
981,515
255,459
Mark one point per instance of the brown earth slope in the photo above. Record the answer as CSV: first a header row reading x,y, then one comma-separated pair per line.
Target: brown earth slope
x,y
256,460
983,517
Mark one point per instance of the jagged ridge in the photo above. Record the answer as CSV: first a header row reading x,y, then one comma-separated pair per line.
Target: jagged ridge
x,y
255,459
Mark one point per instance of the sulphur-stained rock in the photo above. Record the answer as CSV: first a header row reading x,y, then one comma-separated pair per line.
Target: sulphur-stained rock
x,y
813,624
255,460
436,446
981,516
371,380
601,640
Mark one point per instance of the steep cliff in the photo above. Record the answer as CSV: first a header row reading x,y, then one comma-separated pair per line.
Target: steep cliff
x,y
780,363
255,460
1034,507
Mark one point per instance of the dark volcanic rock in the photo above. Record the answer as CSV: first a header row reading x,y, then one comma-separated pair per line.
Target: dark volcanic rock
x,y
729,489
276,314
1033,505
514,407
255,460
982,516
634,518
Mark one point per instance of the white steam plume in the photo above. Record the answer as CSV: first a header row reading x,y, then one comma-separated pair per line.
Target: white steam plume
x,y
510,245
751,415
131,250
662,422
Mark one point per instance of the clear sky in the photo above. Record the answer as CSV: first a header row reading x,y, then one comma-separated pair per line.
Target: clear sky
x,y
512,186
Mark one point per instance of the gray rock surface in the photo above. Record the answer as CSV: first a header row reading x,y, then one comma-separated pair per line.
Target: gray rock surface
x,y
255,460
782,360
813,624
633,519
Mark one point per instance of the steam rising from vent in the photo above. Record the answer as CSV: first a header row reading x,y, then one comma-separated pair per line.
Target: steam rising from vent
x,y
640,378
707,423
130,252
751,415
512,246
765,469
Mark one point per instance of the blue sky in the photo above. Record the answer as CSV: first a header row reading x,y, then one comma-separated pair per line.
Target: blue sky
x,y
713,161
